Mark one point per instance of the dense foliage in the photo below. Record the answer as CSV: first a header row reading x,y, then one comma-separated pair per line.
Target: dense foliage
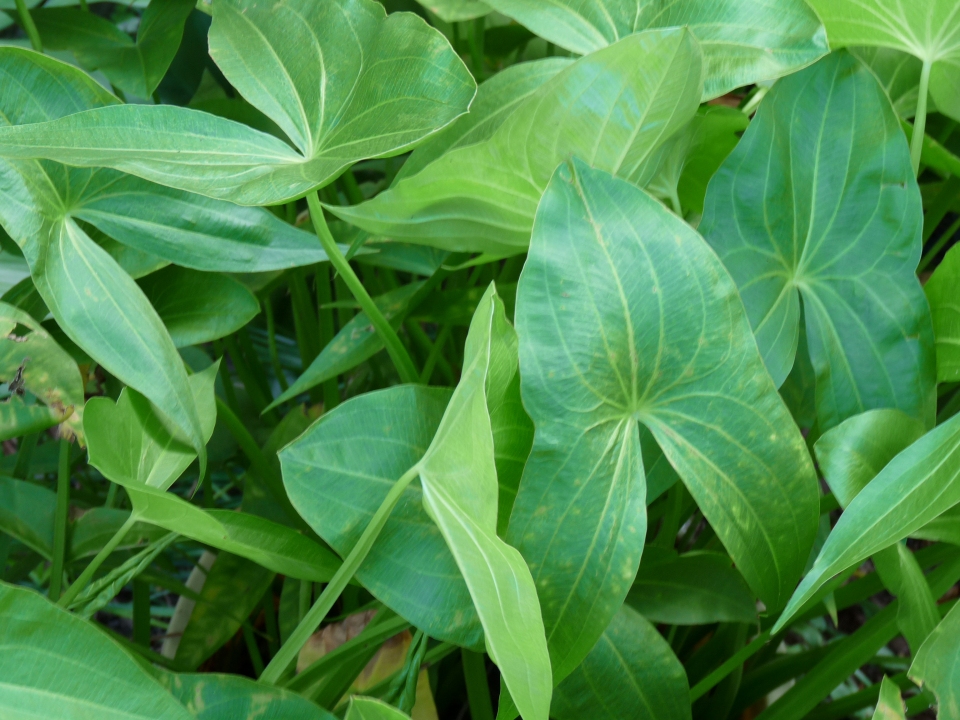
x,y
570,359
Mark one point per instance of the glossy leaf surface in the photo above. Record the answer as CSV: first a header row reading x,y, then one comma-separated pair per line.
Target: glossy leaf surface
x,y
85,675
935,664
608,265
819,202
743,42
483,197
396,80
630,674
929,30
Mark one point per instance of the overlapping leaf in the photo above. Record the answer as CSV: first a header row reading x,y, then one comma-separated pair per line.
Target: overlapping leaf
x,y
927,29
935,665
943,293
743,42
342,79
614,108
819,202
625,316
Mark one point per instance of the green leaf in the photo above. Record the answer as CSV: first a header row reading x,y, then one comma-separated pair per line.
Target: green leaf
x,y
459,480
608,265
890,704
131,445
943,291
483,197
512,440
496,100
819,202
136,67
96,526
26,514
916,486
337,489
935,665
630,674
917,614
199,307
17,418
210,696
697,588
899,74
928,30
364,708
274,546
855,451
48,371
55,665
743,42
397,80
356,342
456,10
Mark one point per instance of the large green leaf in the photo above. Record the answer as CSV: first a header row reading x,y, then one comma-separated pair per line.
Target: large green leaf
x,y
131,445
27,514
943,293
459,479
696,588
210,696
819,202
48,370
342,79
927,29
136,67
743,42
625,316
55,665
630,674
935,666
918,485
899,74
337,488
198,307
614,109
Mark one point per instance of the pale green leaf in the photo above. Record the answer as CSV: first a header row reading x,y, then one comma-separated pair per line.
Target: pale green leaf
x,y
630,674
743,42
55,665
198,307
456,10
131,445
342,79
819,202
943,293
917,613
614,109
26,514
625,316
890,704
927,29
899,74
364,708
935,666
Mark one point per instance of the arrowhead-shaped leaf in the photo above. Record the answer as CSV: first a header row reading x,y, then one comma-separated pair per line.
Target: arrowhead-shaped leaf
x,y
819,202
625,316
342,79
483,197
743,42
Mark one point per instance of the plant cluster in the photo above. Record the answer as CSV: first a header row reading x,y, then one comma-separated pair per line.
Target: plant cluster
x,y
570,359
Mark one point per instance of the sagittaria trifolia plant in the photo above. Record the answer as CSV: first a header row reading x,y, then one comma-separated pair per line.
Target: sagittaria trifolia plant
x,y
492,358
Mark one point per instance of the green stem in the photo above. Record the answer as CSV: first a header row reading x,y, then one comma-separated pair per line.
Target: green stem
x,y
28,443
306,593
272,342
331,389
60,520
28,25
228,390
87,575
270,621
396,350
141,612
247,376
478,692
477,30
920,121
436,357
311,621
711,680
351,188
84,6
931,254
251,640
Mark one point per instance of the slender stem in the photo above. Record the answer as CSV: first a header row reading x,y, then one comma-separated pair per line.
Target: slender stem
x,y
28,443
331,389
272,343
60,520
246,375
477,30
256,659
711,680
351,188
228,390
87,575
28,25
478,691
306,595
84,6
141,612
270,621
920,121
396,350
111,496
291,648
931,254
